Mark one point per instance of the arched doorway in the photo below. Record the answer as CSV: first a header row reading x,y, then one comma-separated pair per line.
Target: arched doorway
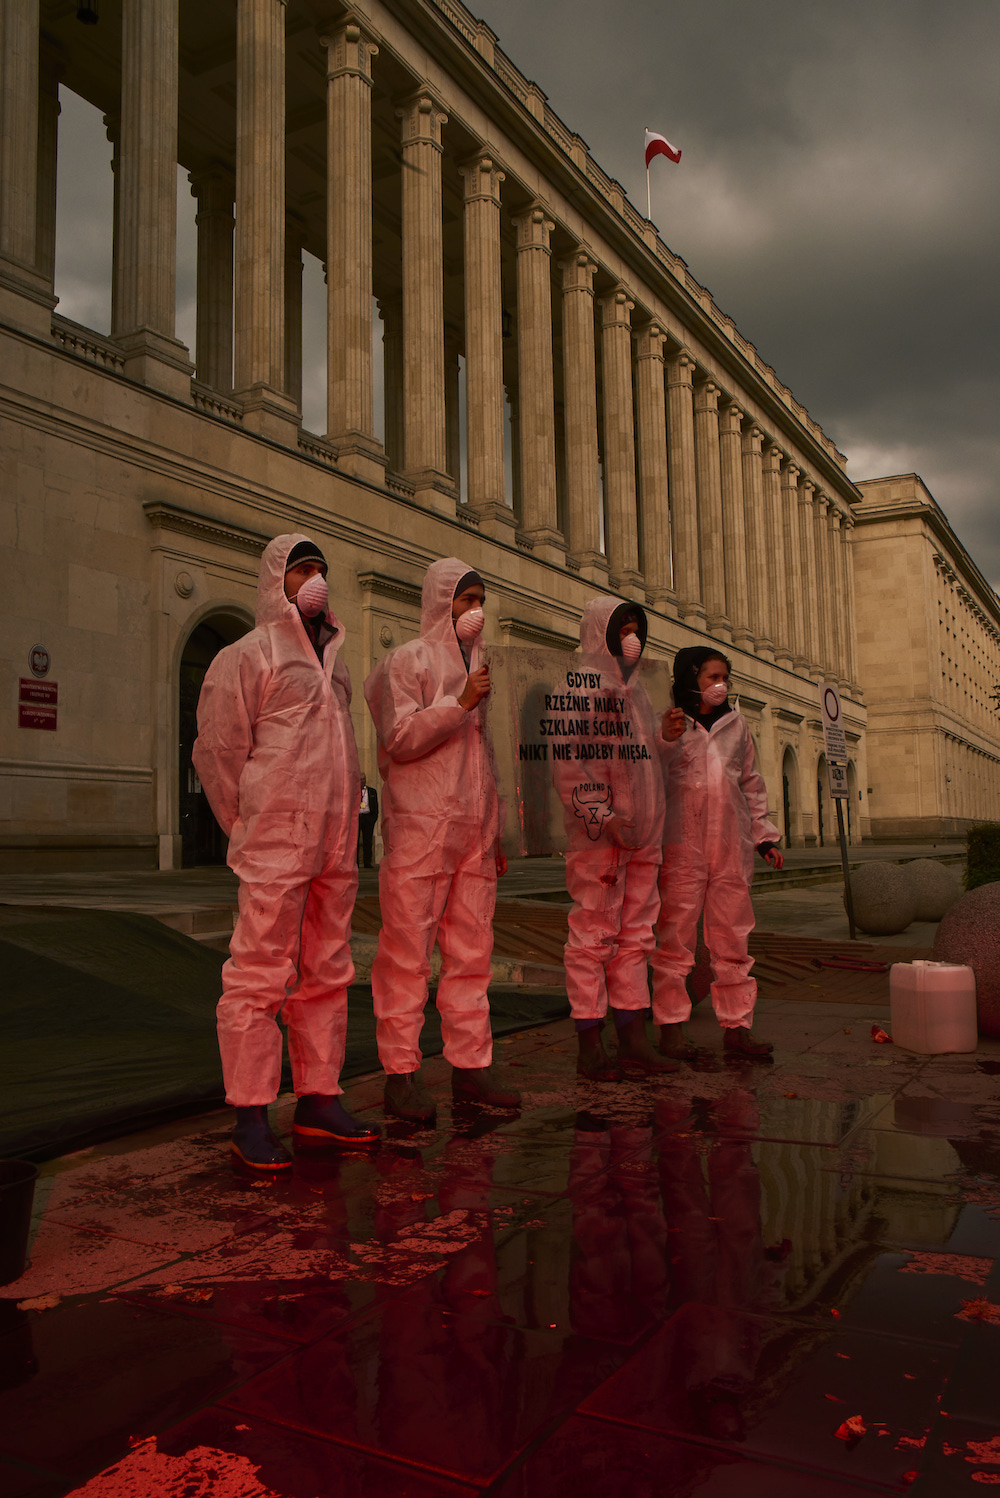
x,y
790,799
202,839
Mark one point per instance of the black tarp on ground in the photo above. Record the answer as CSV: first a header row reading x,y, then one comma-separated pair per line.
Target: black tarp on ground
x,y
108,1025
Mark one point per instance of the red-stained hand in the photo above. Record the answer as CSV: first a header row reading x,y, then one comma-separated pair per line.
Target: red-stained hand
x,y
774,858
501,860
477,686
674,724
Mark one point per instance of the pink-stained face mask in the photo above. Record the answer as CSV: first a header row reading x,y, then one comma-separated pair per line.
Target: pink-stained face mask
x,y
470,624
631,648
716,694
313,597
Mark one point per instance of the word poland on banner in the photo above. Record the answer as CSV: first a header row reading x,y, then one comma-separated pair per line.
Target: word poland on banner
x,y
658,145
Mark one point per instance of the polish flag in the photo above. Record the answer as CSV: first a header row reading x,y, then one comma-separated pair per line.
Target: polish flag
x,y
658,145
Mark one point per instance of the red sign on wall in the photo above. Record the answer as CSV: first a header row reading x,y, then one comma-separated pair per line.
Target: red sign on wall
x,y
36,717
38,691
37,705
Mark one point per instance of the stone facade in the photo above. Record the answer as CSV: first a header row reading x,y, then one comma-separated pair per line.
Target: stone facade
x,y
652,451
928,639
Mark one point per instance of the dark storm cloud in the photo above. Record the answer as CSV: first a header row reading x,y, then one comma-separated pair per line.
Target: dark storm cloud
x,y
838,194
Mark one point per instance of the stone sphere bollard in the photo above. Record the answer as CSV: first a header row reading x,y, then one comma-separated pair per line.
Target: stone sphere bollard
x,y
936,886
884,898
970,934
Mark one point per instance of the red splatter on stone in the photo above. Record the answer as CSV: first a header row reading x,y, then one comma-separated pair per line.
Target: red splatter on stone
x,y
990,1477
835,1313
852,1429
880,1037
834,1398
979,1309
985,1451
916,1442
962,1266
908,1478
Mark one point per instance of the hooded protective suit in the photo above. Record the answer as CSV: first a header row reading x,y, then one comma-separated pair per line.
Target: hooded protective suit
x,y
613,803
440,823
716,817
276,756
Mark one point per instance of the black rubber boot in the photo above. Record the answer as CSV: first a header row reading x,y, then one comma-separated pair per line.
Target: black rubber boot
x,y
481,1084
742,1040
321,1119
634,1050
593,1061
675,1044
407,1098
254,1143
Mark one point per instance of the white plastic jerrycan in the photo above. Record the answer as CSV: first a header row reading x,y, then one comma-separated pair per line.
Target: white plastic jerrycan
x,y
933,1007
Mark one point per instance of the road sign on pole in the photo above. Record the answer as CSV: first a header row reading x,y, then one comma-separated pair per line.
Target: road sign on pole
x,y
838,782
834,740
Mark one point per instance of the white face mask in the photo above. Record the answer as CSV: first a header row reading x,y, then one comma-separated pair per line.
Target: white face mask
x,y
313,597
470,624
631,648
716,694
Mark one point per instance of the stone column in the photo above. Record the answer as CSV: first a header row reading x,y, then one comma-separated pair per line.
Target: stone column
x,y
824,588
259,333
777,579
651,421
583,498
755,522
708,478
146,229
215,192
793,565
112,129
622,539
425,444
391,309
26,301
484,347
350,411
295,239
847,557
536,405
733,524
684,488
452,405
50,70
838,609
810,584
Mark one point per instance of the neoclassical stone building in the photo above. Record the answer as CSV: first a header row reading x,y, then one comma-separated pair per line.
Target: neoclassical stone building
x,y
928,631
564,405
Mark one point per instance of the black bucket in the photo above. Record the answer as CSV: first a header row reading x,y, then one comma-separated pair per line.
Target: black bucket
x,y
17,1192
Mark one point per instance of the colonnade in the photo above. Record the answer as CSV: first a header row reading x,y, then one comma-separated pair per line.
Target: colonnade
x,y
707,515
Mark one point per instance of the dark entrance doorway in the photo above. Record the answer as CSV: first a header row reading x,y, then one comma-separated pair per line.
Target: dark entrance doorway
x,y
202,839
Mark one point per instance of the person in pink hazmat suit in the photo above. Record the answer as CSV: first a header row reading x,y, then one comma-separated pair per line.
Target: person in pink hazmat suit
x,y
276,756
441,830
611,788
716,816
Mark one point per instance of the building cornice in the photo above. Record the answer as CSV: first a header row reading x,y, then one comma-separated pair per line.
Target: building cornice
x,y
168,517
536,634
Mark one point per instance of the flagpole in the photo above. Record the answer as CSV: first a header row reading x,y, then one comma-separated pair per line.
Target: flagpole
x,y
649,210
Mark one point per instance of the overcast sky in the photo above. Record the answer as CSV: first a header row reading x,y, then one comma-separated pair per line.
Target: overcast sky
x,y
838,194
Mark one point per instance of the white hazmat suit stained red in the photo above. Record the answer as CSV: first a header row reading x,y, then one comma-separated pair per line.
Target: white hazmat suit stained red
x,y
440,828
276,756
716,817
611,788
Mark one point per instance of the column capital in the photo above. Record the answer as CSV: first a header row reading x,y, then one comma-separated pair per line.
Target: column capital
x,y
806,491
823,502
772,458
482,177
423,119
533,228
616,308
578,271
753,440
681,367
349,52
649,341
213,188
706,396
731,421
790,475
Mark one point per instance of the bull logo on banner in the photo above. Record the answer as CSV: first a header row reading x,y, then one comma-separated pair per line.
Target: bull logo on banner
x,y
592,804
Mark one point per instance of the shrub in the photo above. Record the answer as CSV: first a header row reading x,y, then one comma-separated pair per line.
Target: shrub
x,y
982,860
